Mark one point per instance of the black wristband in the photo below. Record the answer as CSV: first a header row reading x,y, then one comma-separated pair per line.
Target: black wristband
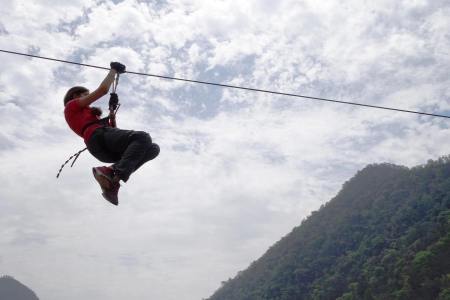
x,y
120,68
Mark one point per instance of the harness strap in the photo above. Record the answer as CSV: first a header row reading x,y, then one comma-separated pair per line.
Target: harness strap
x,y
103,121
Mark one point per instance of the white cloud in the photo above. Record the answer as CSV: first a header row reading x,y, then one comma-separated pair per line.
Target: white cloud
x,y
108,22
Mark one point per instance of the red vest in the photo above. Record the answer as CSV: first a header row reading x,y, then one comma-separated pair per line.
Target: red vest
x,y
77,117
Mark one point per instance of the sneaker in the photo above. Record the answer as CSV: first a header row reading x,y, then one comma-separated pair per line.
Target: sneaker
x,y
104,177
111,194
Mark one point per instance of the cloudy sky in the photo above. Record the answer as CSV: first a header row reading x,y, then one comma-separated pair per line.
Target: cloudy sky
x,y
238,170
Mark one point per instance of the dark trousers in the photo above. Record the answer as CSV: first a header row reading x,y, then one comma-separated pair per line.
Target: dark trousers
x,y
127,149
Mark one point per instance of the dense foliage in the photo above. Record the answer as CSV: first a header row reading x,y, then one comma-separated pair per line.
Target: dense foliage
x,y
386,235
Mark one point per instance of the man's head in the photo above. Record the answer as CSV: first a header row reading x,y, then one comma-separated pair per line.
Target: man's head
x,y
75,92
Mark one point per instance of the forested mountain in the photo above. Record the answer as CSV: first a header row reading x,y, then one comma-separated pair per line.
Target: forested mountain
x,y
11,289
386,235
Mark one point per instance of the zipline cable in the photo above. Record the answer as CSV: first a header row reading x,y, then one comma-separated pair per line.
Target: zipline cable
x,y
237,87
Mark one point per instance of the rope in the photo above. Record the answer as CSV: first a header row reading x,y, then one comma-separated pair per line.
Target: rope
x,y
76,155
239,87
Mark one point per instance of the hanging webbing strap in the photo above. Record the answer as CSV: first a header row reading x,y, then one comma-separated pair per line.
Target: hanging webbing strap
x,y
76,155
115,83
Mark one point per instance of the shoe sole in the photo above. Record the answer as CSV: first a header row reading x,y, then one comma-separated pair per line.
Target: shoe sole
x,y
104,181
110,200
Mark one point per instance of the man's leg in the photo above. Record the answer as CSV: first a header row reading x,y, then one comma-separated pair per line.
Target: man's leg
x,y
151,153
131,146
104,175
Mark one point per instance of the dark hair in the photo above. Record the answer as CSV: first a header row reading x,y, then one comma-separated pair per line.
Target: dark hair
x,y
73,92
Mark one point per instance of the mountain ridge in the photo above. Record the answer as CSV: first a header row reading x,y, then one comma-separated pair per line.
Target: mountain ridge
x,y
12,289
387,221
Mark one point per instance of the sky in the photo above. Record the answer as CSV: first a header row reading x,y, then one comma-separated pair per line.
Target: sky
x,y
238,170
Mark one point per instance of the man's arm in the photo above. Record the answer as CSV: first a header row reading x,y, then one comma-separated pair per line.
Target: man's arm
x,y
100,91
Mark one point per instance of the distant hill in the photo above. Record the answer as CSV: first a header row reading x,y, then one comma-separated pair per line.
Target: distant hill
x,y
386,235
11,289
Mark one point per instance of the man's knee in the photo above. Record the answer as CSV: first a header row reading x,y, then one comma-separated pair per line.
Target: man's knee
x,y
142,136
154,150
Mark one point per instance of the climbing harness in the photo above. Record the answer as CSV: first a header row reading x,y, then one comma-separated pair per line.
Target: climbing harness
x,y
110,121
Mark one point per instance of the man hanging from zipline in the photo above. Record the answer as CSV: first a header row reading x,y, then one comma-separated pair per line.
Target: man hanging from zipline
x,y
127,150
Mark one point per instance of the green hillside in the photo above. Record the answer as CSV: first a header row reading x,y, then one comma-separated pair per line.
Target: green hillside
x,y
386,235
